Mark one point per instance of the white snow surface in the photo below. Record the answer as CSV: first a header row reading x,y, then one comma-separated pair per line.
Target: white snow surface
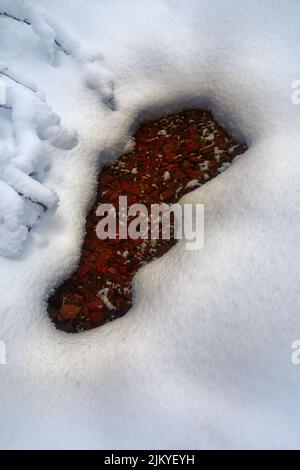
x,y
203,359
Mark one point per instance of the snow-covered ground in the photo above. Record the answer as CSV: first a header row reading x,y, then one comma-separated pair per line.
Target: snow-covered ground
x,y
203,360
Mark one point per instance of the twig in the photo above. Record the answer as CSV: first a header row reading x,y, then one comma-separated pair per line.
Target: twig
x,y
16,81
15,18
27,22
45,208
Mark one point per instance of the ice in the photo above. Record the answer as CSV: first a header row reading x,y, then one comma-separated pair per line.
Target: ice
x,y
203,360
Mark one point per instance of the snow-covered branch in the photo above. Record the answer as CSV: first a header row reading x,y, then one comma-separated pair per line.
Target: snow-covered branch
x,y
18,82
31,130
15,18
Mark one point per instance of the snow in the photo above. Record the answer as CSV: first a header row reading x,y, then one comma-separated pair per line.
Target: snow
x,y
102,294
192,184
167,176
203,360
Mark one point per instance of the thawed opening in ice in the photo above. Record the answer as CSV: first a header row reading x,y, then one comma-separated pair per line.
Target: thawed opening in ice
x,y
172,156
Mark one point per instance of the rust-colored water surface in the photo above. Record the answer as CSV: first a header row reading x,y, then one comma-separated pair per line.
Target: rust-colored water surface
x,y
173,156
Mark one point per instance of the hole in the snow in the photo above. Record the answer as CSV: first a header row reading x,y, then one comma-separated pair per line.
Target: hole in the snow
x,y
173,156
